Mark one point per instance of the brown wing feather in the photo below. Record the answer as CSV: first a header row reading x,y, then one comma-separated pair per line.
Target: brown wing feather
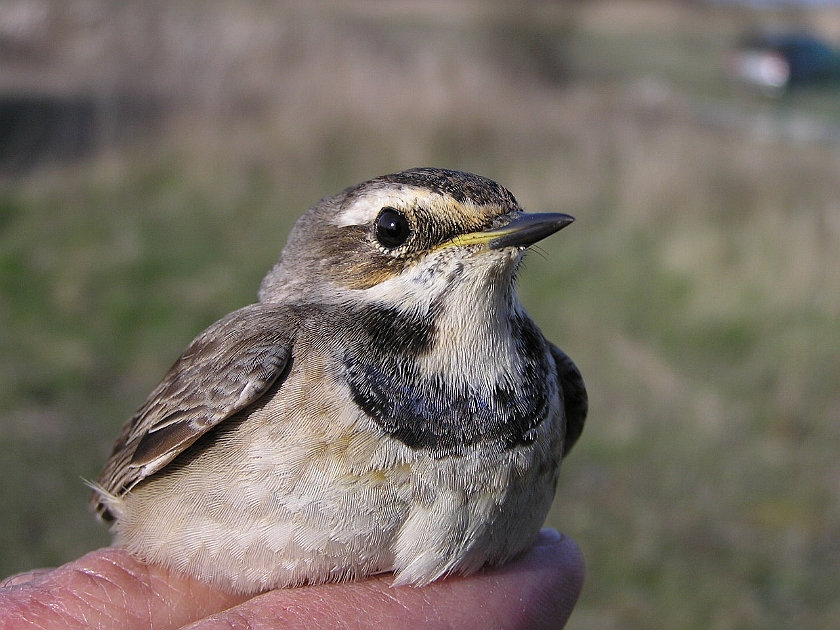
x,y
223,371
575,397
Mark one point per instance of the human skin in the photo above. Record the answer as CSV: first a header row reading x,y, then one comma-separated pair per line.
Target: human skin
x,y
109,588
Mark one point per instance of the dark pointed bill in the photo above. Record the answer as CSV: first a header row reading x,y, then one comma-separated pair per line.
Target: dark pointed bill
x,y
527,229
524,230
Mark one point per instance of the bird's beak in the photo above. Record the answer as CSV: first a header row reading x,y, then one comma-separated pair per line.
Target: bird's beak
x,y
524,230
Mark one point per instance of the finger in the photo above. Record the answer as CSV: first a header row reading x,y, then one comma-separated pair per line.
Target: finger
x,y
24,578
536,591
106,589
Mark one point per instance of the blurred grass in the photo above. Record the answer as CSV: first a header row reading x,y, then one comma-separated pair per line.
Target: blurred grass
x,y
698,290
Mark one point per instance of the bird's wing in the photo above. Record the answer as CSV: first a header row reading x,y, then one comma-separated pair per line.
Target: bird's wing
x,y
575,398
223,371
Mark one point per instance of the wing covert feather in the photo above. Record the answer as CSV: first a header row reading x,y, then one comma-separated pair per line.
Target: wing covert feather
x,y
575,398
225,369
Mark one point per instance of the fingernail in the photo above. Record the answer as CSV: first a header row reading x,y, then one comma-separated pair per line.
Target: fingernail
x,y
549,535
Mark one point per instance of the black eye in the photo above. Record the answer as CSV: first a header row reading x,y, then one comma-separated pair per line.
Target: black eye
x,y
392,229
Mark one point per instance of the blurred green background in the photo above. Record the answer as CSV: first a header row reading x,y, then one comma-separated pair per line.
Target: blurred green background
x,y
698,291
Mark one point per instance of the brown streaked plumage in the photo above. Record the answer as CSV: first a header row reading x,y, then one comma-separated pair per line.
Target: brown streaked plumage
x,y
387,405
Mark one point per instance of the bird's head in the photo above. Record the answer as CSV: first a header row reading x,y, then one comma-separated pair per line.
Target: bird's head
x,y
407,238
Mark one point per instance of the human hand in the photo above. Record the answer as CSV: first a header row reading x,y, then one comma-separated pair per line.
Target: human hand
x,y
109,588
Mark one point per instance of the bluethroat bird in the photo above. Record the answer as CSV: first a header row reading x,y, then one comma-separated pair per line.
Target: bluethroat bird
x,y
386,406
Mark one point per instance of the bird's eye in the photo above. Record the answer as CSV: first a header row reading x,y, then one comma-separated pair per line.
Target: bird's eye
x,y
392,229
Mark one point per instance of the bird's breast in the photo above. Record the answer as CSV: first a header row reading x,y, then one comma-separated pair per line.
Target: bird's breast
x,y
444,412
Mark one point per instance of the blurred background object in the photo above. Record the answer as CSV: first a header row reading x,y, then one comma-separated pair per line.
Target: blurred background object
x,y
776,62
153,156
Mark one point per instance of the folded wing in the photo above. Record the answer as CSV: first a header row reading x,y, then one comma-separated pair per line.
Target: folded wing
x,y
224,370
